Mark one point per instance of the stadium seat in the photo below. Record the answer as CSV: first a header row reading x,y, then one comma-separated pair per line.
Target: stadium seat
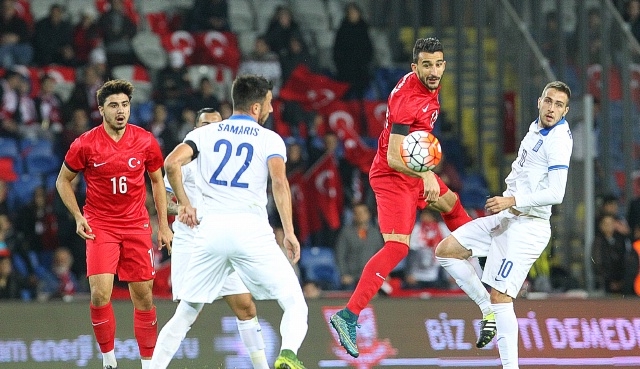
x,y
246,42
265,9
241,16
76,7
156,6
21,191
312,15
475,191
9,148
40,8
318,264
382,49
139,77
324,45
335,10
39,157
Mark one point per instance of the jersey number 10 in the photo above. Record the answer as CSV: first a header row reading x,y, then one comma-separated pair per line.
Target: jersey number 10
x,y
227,155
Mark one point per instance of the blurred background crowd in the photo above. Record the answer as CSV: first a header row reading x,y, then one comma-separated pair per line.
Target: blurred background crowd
x,y
332,63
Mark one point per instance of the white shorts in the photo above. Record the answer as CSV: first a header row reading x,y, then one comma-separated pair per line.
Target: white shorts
x,y
181,248
511,243
244,243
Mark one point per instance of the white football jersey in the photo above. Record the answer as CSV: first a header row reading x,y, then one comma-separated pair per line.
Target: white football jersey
x,y
542,151
232,169
189,184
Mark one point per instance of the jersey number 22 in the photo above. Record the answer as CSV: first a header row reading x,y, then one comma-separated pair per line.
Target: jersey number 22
x,y
228,148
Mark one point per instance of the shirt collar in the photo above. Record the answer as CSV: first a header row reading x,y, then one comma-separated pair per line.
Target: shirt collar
x,y
545,131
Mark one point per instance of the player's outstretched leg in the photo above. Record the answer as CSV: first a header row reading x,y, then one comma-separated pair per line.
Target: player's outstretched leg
x,y
173,333
345,323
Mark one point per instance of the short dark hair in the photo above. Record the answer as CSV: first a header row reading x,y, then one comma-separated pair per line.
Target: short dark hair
x,y
560,86
430,45
114,87
204,111
249,89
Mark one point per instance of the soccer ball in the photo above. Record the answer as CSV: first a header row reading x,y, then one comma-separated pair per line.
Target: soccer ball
x,y
421,151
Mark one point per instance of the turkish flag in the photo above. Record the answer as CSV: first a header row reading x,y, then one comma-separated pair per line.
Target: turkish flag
x,y
342,120
300,207
313,91
324,193
376,116
215,47
181,41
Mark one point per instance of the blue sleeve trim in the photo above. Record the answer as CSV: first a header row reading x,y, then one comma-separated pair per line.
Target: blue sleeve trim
x,y
274,155
169,189
556,167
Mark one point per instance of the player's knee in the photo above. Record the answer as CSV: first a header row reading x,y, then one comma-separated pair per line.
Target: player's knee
x,y
451,248
100,297
498,297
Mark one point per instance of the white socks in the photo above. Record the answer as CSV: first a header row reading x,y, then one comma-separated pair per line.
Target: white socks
x,y
251,335
465,275
507,336
146,363
173,333
109,358
293,327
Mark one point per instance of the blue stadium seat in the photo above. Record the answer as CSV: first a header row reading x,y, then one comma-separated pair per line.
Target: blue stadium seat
x,y
318,264
475,191
21,191
10,148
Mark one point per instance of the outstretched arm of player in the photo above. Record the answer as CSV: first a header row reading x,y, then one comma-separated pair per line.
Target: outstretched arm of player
x,y
165,236
181,155
398,133
68,196
282,197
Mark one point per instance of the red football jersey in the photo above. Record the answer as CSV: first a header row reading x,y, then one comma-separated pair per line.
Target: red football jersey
x,y
115,176
409,103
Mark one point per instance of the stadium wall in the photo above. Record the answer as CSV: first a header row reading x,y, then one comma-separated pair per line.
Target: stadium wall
x,y
394,333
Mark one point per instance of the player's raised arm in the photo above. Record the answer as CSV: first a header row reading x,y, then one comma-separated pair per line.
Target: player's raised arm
x,y
282,197
181,155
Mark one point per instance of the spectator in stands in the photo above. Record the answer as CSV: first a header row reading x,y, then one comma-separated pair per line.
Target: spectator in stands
x,y
173,87
282,28
63,283
632,17
188,122
25,111
262,61
423,270
296,162
296,54
353,52
634,218
10,93
83,95
356,244
608,255
49,107
449,174
204,96
37,227
117,30
611,206
311,290
4,191
67,236
208,15
78,125
11,282
53,39
15,37
85,35
164,129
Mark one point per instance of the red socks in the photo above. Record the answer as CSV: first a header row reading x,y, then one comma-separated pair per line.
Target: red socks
x,y
145,328
456,217
375,272
104,326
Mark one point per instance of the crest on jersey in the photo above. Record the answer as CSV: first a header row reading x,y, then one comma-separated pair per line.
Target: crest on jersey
x,y
537,146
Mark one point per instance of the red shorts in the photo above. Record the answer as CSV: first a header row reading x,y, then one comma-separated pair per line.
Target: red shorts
x,y
398,197
130,256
